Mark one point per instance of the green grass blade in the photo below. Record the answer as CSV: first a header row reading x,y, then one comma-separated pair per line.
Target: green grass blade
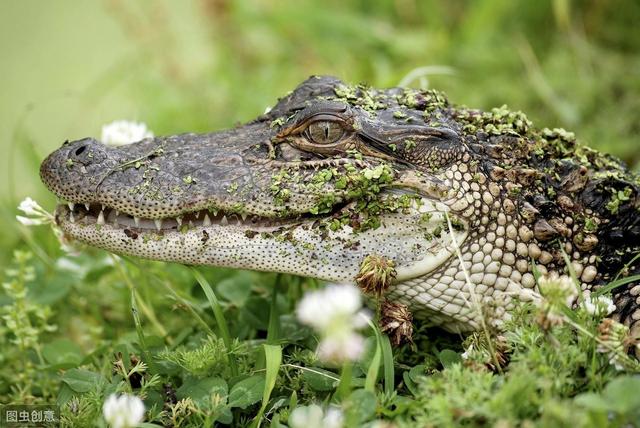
x,y
374,368
219,315
344,386
190,306
273,331
389,369
615,284
627,265
273,357
134,311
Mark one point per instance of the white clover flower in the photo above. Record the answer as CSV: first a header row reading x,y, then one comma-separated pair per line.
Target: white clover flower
x,y
335,303
343,347
467,352
30,207
314,417
335,312
26,221
599,306
122,132
35,214
558,289
124,411
38,216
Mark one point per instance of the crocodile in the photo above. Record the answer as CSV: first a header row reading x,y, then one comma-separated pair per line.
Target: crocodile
x,y
465,205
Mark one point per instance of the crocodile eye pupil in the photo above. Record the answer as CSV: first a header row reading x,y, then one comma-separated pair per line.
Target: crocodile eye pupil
x,y
324,132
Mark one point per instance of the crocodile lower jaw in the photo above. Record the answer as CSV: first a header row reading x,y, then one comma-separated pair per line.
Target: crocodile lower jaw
x,y
417,246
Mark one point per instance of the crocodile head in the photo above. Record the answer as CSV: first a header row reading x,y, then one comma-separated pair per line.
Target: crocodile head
x,y
335,173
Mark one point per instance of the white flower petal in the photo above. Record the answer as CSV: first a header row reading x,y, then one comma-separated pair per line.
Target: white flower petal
x,y
334,418
339,349
307,417
30,221
30,207
323,308
123,132
599,306
124,411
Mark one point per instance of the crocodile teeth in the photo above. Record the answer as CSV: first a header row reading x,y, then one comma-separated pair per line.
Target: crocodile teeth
x,y
100,218
158,223
224,221
179,221
71,217
214,212
136,220
86,206
206,221
244,216
71,205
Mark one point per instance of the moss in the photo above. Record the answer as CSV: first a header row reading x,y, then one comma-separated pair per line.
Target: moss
x,y
617,198
590,225
360,96
233,187
427,101
277,122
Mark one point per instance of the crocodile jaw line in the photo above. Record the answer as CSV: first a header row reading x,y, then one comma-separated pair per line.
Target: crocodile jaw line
x,y
296,248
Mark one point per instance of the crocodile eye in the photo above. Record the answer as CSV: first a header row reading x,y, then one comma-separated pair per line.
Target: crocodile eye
x,y
324,132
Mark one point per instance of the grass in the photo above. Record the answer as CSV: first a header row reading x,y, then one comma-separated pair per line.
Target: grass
x,y
191,376
75,329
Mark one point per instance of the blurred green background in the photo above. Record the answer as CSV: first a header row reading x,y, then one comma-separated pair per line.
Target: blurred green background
x,y
69,66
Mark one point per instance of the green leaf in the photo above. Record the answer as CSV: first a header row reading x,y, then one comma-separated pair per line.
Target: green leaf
x,y
225,416
64,394
255,313
236,289
81,380
412,377
622,394
52,290
361,406
319,379
200,390
62,353
246,392
448,358
593,401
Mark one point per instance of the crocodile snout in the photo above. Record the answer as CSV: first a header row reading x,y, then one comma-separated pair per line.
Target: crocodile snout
x,y
70,166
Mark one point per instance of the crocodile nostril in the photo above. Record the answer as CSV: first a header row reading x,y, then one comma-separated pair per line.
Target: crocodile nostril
x,y
80,149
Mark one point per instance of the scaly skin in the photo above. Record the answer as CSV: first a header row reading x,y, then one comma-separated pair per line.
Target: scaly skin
x,y
335,173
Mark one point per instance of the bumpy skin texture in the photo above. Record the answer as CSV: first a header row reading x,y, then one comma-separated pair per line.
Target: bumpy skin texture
x,y
335,173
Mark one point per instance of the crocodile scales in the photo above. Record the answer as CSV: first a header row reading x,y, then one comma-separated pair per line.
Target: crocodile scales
x,y
334,173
